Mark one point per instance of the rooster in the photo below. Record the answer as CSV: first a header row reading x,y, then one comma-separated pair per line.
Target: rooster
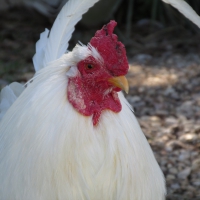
x,y
71,134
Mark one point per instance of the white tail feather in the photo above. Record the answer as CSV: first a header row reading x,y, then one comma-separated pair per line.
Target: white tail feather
x,y
57,42
8,96
185,9
40,49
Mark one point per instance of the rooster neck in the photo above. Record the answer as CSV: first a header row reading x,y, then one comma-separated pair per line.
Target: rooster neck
x,y
92,99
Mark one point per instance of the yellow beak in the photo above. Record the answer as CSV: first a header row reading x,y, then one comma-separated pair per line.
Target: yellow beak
x,y
120,82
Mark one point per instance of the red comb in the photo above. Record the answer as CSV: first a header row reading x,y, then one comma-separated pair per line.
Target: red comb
x,y
112,51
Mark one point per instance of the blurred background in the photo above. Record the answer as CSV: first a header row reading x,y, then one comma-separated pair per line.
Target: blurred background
x,y
164,55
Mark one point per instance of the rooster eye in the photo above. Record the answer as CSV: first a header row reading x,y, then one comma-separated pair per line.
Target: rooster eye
x,y
89,66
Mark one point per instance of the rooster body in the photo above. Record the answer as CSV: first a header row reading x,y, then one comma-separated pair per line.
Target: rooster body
x,y
60,155
71,134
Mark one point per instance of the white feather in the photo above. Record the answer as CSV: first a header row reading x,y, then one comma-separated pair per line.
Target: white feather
x,y
80,52
8,95
40,49
185,9
49,151
53,47
63,27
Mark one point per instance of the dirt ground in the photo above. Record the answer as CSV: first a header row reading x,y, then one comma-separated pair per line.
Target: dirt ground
x,y
164,80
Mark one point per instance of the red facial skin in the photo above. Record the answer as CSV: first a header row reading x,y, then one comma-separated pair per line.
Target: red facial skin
x,y
87,92
90,92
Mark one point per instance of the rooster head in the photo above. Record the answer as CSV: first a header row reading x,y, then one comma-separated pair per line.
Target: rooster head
x,y
100,74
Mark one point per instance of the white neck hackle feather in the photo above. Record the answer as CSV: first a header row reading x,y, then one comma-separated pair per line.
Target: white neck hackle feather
x,y
64,156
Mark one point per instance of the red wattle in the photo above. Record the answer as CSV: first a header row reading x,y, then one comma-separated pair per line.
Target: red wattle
x,y
90,101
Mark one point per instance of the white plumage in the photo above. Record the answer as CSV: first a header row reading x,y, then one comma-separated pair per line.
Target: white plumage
x,y
49,151
57,43
62,156
8,96
185,9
